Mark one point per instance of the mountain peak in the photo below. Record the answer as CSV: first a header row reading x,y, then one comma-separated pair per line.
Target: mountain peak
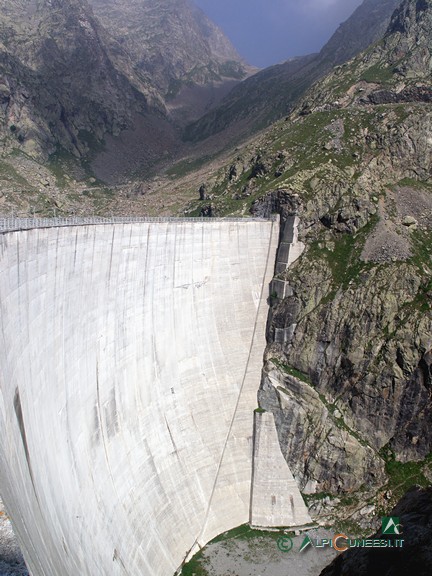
x,y
173,41
75,67
271,93
410,14
396,69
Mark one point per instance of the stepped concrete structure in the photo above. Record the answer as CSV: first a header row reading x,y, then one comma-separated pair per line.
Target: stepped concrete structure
x,y
288,251
130,359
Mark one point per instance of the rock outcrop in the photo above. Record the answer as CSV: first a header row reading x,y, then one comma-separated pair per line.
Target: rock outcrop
x,y
64,82
171,42
414,557
322,450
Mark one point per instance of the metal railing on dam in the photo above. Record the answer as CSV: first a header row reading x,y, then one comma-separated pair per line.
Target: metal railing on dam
x,y
12,223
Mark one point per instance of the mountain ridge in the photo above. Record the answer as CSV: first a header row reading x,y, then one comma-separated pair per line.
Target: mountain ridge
x,y
285,83
84,80
136,135
170,40
49,96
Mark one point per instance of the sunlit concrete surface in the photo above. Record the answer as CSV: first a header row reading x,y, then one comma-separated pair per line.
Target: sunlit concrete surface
x,y
130,359
275,500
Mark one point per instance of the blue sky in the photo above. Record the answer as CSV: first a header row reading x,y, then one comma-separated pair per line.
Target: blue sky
x,y
266,32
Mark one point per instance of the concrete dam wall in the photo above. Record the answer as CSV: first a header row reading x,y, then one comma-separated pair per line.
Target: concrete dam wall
x,y
130,360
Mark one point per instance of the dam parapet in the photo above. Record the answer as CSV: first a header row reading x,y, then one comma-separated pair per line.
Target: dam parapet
x,y
12,223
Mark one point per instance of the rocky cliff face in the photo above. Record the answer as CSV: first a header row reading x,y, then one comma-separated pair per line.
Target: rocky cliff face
x,y
363,325
70,77
63,78
348,365
170,41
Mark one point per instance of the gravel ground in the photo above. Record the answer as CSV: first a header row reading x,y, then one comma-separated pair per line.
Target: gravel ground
x,y
11,560
414,202
260,556
391,238
388,241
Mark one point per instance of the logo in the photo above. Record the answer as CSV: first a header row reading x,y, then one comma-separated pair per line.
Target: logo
x,y
306,542
332,543
341,542
391,525
285,543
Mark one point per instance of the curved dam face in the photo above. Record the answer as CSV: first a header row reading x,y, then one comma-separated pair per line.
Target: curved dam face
x,y
130,360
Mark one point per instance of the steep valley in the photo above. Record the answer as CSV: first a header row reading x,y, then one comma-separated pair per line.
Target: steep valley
x,y
347,369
